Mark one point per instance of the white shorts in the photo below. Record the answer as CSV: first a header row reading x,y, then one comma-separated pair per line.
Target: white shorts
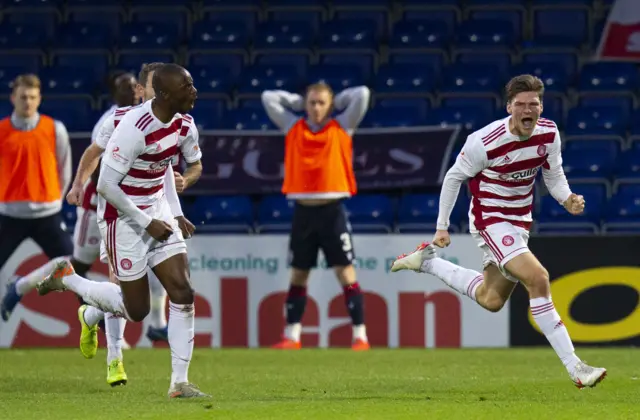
x,y
501,243
86,236
130,249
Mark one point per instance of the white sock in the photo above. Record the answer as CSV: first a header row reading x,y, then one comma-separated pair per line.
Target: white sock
x,y
93,315
157,314
114,326
27,283
360,332
181,334
293,331
460,279
105,296
549,322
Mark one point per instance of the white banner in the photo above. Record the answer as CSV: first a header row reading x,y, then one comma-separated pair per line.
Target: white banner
x,y
621,36
241,284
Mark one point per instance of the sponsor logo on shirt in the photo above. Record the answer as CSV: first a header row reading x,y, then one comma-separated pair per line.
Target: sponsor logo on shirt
x,y
115,153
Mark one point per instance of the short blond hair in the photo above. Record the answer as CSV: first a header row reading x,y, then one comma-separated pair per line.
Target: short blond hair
x,y
29,80
319,87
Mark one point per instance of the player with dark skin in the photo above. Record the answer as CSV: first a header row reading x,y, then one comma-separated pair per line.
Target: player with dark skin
x,y
175,93
123,94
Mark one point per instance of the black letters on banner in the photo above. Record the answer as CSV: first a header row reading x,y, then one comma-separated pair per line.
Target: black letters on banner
x,y
595,287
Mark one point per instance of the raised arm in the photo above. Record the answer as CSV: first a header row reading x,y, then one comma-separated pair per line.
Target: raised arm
x,y
279,104
63,156
553,174
471,160
354,103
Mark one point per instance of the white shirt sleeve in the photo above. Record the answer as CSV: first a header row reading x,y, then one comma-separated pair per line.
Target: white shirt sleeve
x,y
471,161
171,193
553,174
190,147
109,188
124,146
354,103
278,103
105,131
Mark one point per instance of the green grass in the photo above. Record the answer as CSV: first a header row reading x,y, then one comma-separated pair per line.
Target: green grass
x,y
321,384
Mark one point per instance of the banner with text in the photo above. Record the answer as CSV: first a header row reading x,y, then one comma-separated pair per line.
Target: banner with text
x,y
595,285
241,284
620,40
248,162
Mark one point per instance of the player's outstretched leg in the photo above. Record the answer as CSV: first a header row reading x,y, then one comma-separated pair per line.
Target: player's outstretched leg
x,y
535,278
157,330
173,273
354,300
425,260
23,285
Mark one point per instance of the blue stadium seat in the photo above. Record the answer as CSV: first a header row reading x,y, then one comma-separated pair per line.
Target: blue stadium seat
x,y
554,218
419,212
175,18
8,73
256,79
392,117
555,78
562,2
493,3
105,3
96,63
83,35
419,106
291,35
246,119
628,163
458,78
164,4
67,81
376,18
232,63
32,4
132,61
360,5
468,118
595,121
148,36
298,61
433,61
624,206
212,81
512,18
352,35
558,60
369,213
295,4
609,77
23,36
554,109
222,214
411,4
420,34
310,18
500,61
485,33
208,113
621,104
448,17
560,27
486,106
361,61
248,18
254,104
275,214
224,35
590,158
338,77
47,20
76,114
223,5
27,62
404,79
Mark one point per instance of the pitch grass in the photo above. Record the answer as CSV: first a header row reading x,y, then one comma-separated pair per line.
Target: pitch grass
x,y
321,384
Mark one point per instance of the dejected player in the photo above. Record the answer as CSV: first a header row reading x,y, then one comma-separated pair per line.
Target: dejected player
x,y
141,221
501,161
318,176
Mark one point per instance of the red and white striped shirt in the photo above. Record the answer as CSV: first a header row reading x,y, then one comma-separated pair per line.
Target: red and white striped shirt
x,y
141,147
502,169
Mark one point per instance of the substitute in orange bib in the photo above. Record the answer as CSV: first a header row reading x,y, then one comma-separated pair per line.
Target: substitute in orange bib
x,y
35,170
318,176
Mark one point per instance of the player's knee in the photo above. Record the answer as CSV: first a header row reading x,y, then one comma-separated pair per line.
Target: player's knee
x,y
299,277
539,283
139,312
183,295
493,303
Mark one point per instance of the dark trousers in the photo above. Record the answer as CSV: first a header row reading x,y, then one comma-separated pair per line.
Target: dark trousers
x,y
48,232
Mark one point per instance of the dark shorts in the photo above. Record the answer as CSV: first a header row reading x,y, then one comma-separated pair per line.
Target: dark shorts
x,y
323,228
